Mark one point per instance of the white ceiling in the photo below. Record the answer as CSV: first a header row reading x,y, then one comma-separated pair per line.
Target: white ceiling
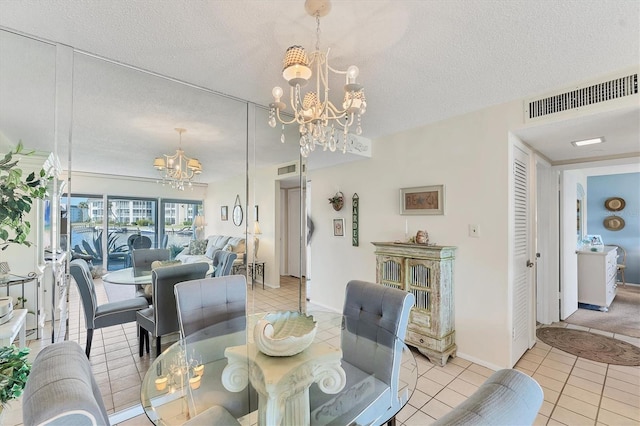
x,y
420,62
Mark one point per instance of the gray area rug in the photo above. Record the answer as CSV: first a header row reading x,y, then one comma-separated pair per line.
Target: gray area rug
x,y
623,316
594,347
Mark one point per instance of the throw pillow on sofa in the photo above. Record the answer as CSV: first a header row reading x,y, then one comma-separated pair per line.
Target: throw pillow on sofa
x,y
236,245
197,247
148,288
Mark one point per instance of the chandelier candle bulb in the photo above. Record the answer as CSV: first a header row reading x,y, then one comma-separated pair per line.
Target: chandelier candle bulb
x,y
194,382
198,370
161,383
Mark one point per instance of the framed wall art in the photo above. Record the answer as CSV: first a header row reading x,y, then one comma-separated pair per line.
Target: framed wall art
x,y
338,227
422,200
224,213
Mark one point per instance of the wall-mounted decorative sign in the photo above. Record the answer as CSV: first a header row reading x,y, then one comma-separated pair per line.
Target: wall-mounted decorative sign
x,y
422,200
355,237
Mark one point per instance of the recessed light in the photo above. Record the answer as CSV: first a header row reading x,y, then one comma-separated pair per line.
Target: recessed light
x,y
587,141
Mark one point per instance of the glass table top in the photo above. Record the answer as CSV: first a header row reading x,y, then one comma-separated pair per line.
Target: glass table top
x,y
341,378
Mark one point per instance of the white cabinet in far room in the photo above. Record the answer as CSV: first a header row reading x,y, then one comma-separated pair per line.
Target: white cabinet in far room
x,y
597,276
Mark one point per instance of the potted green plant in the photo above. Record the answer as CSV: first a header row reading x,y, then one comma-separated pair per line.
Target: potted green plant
x,y
16,198
14,370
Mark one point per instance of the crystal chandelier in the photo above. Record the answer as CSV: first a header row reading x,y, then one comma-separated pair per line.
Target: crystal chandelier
x,y
178,169
320,121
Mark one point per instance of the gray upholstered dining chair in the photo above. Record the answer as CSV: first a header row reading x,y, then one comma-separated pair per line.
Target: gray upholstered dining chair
x,y
142,260
107,314
223,262
161,317
209,301
375,323
61,389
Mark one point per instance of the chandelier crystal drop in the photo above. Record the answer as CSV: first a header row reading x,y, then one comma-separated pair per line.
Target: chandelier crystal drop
x,y
320,122
177,170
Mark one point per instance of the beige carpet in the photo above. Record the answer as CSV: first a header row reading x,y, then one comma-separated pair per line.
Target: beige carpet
x,y
623,316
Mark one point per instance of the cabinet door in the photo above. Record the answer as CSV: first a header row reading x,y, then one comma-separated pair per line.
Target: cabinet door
x,y
420,282
389,271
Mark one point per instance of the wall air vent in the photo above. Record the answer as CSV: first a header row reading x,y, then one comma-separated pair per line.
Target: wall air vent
x,y
583,96
285,170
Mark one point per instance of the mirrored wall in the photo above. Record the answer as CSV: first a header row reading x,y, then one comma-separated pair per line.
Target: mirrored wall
x,y
106,122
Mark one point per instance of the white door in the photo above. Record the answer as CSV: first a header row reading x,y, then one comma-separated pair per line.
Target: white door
x,y
546,231
522,286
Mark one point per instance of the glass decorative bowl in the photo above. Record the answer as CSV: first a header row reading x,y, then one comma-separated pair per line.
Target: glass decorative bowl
x,y
284,333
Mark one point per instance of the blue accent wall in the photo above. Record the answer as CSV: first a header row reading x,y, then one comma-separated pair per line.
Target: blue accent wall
x,y
626,186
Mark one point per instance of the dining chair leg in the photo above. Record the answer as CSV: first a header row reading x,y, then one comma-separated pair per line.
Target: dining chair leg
x,y
89,340
146,340
157,345
392,421
141,336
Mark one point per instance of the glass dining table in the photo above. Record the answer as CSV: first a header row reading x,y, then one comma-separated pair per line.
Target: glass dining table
x,y
129,276
218,376
133,276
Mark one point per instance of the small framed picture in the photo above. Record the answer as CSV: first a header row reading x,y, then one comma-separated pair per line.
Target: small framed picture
x,y
422,200
224,213
338,227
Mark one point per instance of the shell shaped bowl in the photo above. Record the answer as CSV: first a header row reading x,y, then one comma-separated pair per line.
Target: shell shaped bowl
x,y
284,333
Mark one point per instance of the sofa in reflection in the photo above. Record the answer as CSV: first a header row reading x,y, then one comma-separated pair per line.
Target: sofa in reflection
x,y
204,250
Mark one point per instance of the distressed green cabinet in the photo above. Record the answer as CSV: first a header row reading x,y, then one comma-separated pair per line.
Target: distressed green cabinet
x,y
427,272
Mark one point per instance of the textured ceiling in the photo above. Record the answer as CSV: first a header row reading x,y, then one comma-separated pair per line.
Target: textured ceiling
x,y
420,62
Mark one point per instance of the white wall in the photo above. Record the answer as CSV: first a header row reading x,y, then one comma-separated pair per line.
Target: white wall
x,y
263,192
469,155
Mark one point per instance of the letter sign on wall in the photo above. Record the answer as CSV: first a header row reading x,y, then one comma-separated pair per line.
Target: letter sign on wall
x,y
355,231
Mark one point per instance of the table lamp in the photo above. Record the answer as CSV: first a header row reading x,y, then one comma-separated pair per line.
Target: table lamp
x,y
199,224
256,240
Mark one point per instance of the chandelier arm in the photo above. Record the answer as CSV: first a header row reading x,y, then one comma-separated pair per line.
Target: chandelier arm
x,y
337,113
337,118
283,121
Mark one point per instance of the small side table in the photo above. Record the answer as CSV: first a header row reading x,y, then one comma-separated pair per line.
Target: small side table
x,y
256,268
16,326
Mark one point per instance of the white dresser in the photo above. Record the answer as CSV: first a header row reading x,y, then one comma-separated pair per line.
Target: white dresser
x,y
597,276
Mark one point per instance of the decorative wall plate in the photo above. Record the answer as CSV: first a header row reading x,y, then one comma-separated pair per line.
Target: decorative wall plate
x,y
613,223
614,204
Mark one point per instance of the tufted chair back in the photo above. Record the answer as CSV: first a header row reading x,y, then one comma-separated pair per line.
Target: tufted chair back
x,y
223,262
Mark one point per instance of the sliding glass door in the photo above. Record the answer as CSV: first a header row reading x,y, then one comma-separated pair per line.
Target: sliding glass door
x,y
177,226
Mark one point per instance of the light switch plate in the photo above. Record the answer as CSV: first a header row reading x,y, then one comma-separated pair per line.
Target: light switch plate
x,y
474,231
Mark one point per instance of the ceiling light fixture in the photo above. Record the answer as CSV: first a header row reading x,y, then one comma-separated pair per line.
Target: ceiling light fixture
x,y
318,117
177,170
588,141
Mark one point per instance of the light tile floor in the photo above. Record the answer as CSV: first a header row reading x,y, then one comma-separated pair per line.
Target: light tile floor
x,y
576,391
